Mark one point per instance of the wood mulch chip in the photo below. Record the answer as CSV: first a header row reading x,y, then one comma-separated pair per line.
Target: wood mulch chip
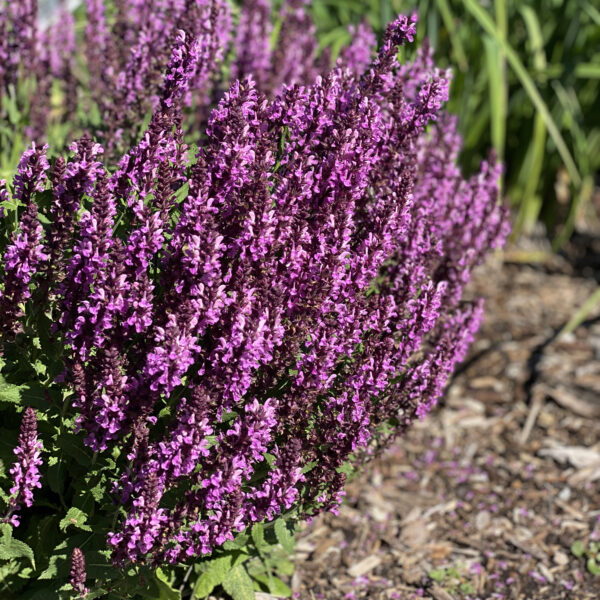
x,y
485,497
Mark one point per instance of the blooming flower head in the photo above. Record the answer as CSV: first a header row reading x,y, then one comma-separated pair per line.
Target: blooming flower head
x,y
25,471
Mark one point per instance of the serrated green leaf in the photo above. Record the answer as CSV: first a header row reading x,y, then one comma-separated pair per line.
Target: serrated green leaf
x,y
214,574
46,591
56,474
74,517
10,393
97,563
97,593
155,589
166,592
46,537
11,548
284,537
238,584
309,467
346,469
72,445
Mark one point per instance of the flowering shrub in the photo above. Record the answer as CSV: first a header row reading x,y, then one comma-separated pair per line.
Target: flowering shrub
x,y
208,340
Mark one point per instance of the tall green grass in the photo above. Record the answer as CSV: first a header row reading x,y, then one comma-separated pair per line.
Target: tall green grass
x,y
527,82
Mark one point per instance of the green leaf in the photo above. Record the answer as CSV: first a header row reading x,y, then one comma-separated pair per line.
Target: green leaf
x,y
587,70
437,574
449,23
46,591
593,567
56,474
97,563
258,535
579,317
11,548
237,543
156,589
284,537
71,445
498,92
9,393
309,467
274,585
214,574
578,548
97,593
346,468
75,517
146,122
238,584
166,592
182,193
283,566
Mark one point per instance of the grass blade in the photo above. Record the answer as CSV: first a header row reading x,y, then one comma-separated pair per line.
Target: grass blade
x,y
587,70
455,41
593,12
580,316
484,20
530,204
497,89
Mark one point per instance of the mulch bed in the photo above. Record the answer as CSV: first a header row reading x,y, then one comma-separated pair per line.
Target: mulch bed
x,y
485,497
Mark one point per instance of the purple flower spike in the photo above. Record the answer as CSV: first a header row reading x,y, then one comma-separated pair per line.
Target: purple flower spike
x,y
252,43
78,574
357,56
25,472
25,253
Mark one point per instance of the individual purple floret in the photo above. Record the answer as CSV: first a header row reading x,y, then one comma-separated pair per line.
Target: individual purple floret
x,y
25,472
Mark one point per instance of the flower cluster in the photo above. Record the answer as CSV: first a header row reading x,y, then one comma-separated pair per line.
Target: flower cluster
x,y
78,574
244,320
26,470
25,251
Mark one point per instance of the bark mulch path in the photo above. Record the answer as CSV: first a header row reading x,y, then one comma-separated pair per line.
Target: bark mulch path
x,y
485,498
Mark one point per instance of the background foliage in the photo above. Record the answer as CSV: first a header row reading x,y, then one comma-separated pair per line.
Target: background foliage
x,y
526,80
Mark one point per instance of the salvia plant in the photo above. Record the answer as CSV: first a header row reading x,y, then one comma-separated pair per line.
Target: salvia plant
x,y
206,327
